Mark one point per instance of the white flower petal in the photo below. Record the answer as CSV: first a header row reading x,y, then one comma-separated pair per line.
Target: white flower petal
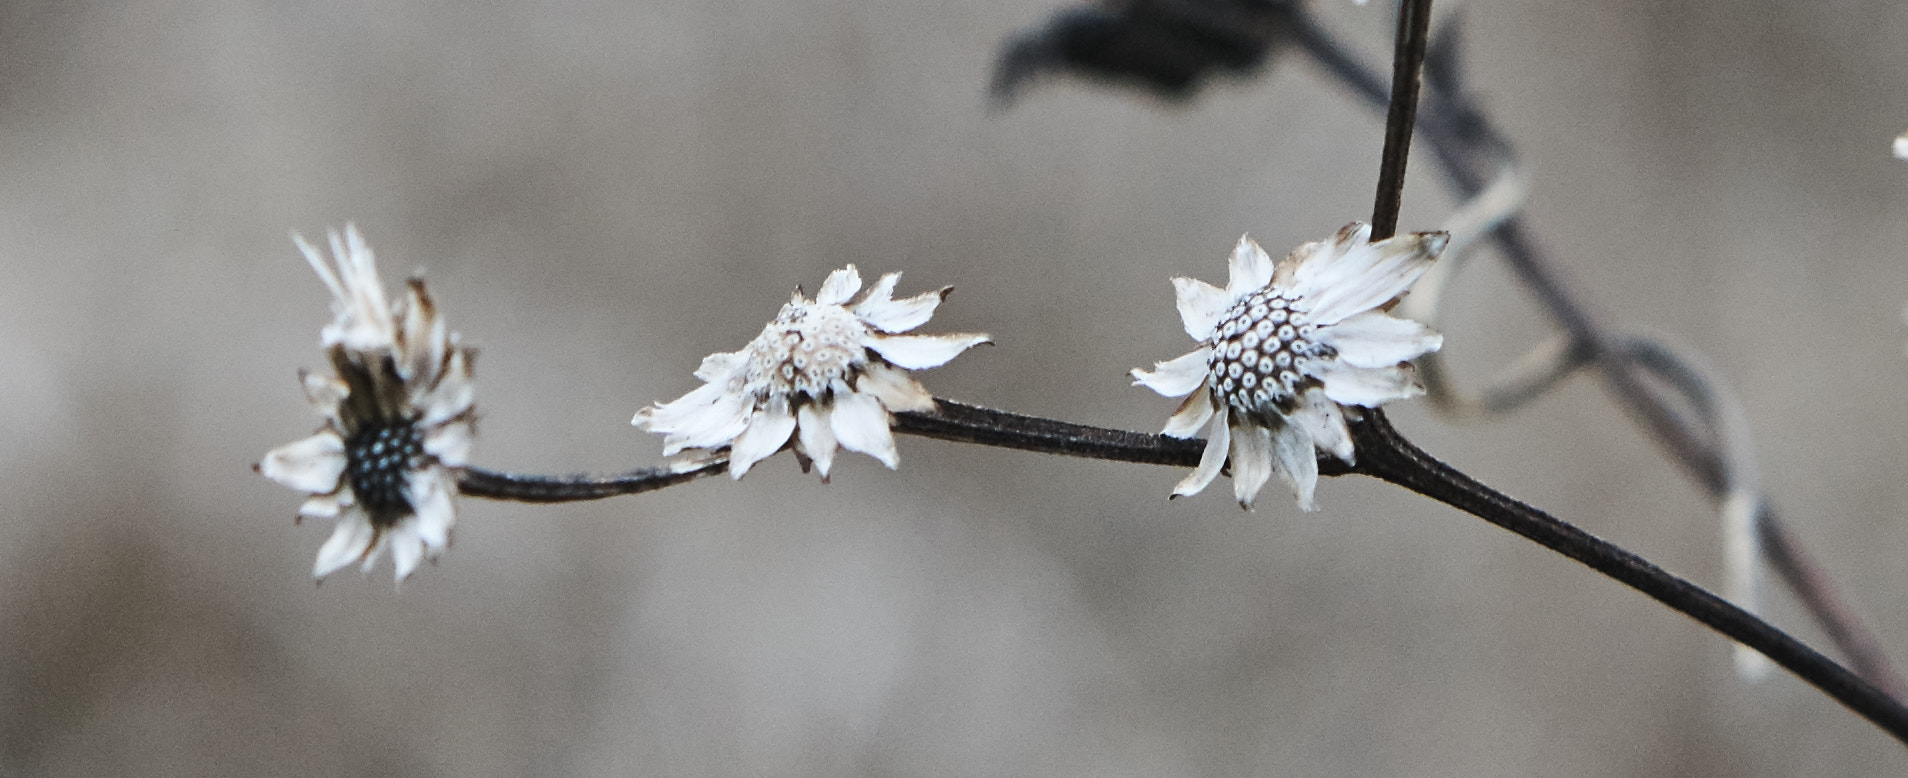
x,y
1252,462
1297,463
1251,270
323,506
450,443
708,417
310,465
1200,305
1378,339
1218,446
768,430
424,340
350,541
433,512
861,424
1192,414
841,285
326,393
901,315
1353,276
1178,377
1368,387
918,352
716,368
453,395
1323,420
896,390
406,550
817,438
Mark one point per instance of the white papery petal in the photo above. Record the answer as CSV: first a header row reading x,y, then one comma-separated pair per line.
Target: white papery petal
x,y
450,443
841,285
406,551
1252,462
861,424
1192,414
896,390
1325,422
900,315
816,436
1200,305
325,392
1297,463
705,418
454,394
350,541
1348,279
1218,445
323,506
717,367
1378,339
1178,377
1368,387
918,352
768,430
1251,269
434,514
310,465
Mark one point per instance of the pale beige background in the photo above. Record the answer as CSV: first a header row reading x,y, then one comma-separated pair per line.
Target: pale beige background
x,y
603,192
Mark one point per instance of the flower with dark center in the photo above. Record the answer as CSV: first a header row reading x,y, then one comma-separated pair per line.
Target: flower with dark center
x,y
398,420
1282,347
826,372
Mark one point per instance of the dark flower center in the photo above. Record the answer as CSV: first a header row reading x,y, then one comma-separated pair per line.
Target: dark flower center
x,y
1260,351
378,457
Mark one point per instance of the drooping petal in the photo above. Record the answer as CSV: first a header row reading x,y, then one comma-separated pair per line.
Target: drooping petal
x,y
433,513
1378,339
350,541
450,442
1192,414
1323,420
1218,447
903,314
768,430
1177,377
841,285
917,352
1368,387
861,424
816,436
1296,462
1252,462
1251,270
1357,276
896,390
406,551
310,465
1200,305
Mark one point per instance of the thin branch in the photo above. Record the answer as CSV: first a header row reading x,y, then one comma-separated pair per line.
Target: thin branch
x,y
1386,455
491,484
1465,144
1407,66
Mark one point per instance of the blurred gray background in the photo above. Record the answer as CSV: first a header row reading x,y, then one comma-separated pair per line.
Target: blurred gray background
x,y
603,192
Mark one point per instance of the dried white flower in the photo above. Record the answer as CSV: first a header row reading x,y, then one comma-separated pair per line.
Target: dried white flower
x,y
1901,146
825,371
1282,347
398,420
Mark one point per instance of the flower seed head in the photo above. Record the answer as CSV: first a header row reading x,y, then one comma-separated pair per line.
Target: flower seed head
x,y
824,375
1282,347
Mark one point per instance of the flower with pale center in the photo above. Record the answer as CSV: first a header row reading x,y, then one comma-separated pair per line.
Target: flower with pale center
x,y
1283,347
398,419
827,372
